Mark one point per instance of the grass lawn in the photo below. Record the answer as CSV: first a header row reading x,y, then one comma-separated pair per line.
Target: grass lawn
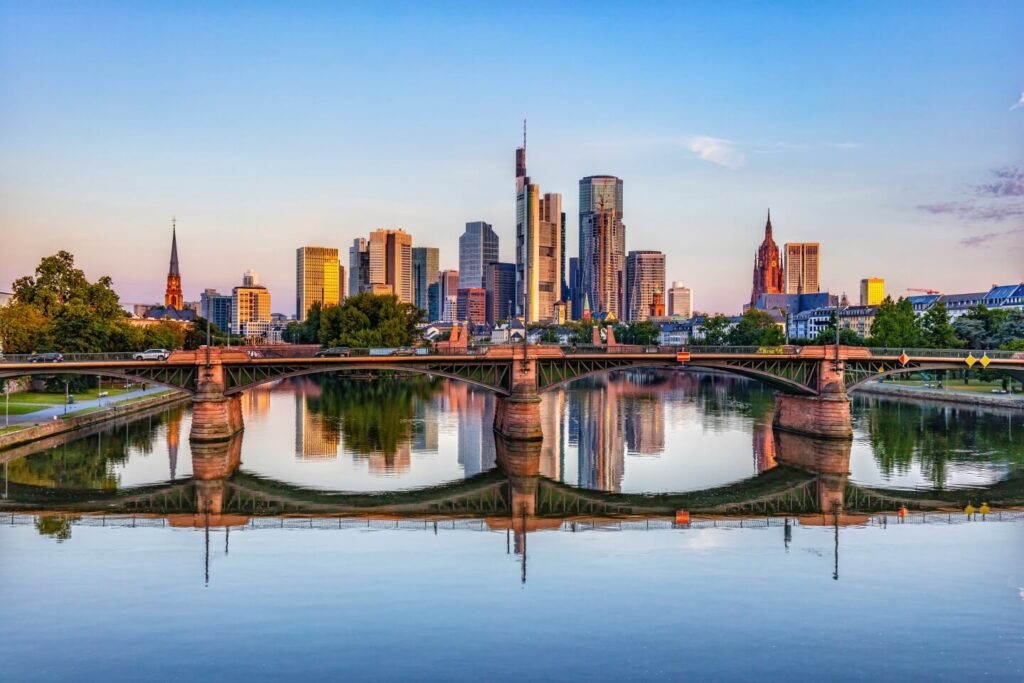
x,y
22,408
12,428
43,398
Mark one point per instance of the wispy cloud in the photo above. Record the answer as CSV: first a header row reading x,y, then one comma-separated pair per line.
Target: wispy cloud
x,y
979,240
717,151
971,211
1020,103
772,147
1009,182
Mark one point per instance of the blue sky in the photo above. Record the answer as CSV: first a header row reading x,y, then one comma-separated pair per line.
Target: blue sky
x,y
877,131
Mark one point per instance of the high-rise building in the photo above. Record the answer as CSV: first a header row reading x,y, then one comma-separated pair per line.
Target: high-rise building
x,y
603,244
538,245
471,305
216,308
448,295
173,298
391,263
769,277
575,299
645,274
564,295
358,266
500,284
317,279
872,291
425,270
802,267
680,301
250,307
434,301
478,246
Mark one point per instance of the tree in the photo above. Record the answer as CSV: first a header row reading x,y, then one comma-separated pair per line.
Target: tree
x,y
23,329
713,329
638,332
195,335
980,327
895,325
308,331
369,320
755,328
847,337
936,330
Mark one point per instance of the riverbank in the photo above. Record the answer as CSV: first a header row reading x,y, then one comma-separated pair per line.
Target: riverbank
x,y
89,419
1016,401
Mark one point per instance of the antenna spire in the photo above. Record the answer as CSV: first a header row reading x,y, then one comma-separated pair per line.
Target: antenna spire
x,y
524,134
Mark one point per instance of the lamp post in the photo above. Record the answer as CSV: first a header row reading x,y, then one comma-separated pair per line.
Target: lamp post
x,y
7,404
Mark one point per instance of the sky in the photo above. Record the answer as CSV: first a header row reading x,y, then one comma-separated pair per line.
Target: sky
x,y
893,134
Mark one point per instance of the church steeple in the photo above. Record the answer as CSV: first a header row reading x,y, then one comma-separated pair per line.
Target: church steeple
x,y
768,226
173,297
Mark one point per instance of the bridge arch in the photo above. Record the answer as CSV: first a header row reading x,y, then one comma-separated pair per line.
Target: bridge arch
x,y
182,378
239,379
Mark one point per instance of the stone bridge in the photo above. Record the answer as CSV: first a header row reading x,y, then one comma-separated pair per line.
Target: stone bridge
x,y
812,382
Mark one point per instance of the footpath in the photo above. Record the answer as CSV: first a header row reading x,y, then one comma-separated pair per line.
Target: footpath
x,y
1010,401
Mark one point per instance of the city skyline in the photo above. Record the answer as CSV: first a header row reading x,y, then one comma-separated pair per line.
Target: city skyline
x,y
922,162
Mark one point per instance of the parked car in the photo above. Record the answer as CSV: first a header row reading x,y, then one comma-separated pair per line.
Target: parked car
x,y
152,354
405,351
334,352
48,357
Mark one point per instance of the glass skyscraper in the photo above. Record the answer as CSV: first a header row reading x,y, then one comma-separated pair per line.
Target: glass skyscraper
x,y
478,246
317,279
425,269
602,244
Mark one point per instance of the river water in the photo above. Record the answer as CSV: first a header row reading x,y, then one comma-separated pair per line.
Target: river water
x,y
153,590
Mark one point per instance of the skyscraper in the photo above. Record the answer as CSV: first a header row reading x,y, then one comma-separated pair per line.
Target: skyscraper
x,y
391,262
872,291
425,270
173,298
500,284
471,305
358,266
602,244
802,267
538,245
680,301
317,279
575,299
478,246
250,307
448,295
216,308
645,274
769,277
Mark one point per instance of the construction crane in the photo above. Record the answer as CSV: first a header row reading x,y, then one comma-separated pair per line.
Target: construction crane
x,y
925,291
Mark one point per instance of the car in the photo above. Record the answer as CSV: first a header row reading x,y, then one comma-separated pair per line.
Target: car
x,y
334,352
47,357
152,354
405,351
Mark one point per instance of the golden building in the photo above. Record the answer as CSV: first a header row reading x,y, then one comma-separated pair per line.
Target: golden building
x,y
250,304
391,262
317,279
802,267
872,291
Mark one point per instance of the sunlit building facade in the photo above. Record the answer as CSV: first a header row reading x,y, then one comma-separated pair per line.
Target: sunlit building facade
x,y
478,246
391,263
250,306
318,279
680,301
872,291
602,241
802,265
538,246
645,275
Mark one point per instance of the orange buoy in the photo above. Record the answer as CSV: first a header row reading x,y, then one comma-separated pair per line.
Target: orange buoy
x,y
682,517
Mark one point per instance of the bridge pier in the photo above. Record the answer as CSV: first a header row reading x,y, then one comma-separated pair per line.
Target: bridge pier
x,y
826,415
517,417
828,458
215,417
213,463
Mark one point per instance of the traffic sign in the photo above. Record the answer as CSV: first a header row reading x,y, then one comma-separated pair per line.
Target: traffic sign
x,y
682,356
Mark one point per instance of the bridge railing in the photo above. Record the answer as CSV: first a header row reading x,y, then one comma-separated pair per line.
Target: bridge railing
x,y
71,357
941,353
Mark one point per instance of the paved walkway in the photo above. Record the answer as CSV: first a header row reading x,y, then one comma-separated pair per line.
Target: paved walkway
x,y
49,412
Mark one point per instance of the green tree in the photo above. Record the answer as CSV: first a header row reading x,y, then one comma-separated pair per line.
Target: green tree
x,y
23,329
895,325
369,320
936,330
638,332
308,331
755,328
980,327
713,330
195,335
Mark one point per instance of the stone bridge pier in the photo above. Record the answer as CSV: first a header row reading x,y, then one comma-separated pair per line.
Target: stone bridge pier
x,y
828,459
517,416
826,415
213,463
215,416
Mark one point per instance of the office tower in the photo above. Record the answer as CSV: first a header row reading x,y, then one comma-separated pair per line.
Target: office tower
x,y
500,285
564,295
802,267
645,274
872,291
471,305
769,277
358,266
434,302
478,246
538,245
448,294
250,307
342,282
317,279
680,301
391,263
575,300
425,270
603,244
173,298
216,308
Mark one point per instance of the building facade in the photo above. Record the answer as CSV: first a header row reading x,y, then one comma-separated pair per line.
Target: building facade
x,y
318,279
173,298
769,277
680,301
538,246
602,243
216,308
391,263
872,291
645,275
471,305
500,285
478,246
250,306
425,269
358,266
802,264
